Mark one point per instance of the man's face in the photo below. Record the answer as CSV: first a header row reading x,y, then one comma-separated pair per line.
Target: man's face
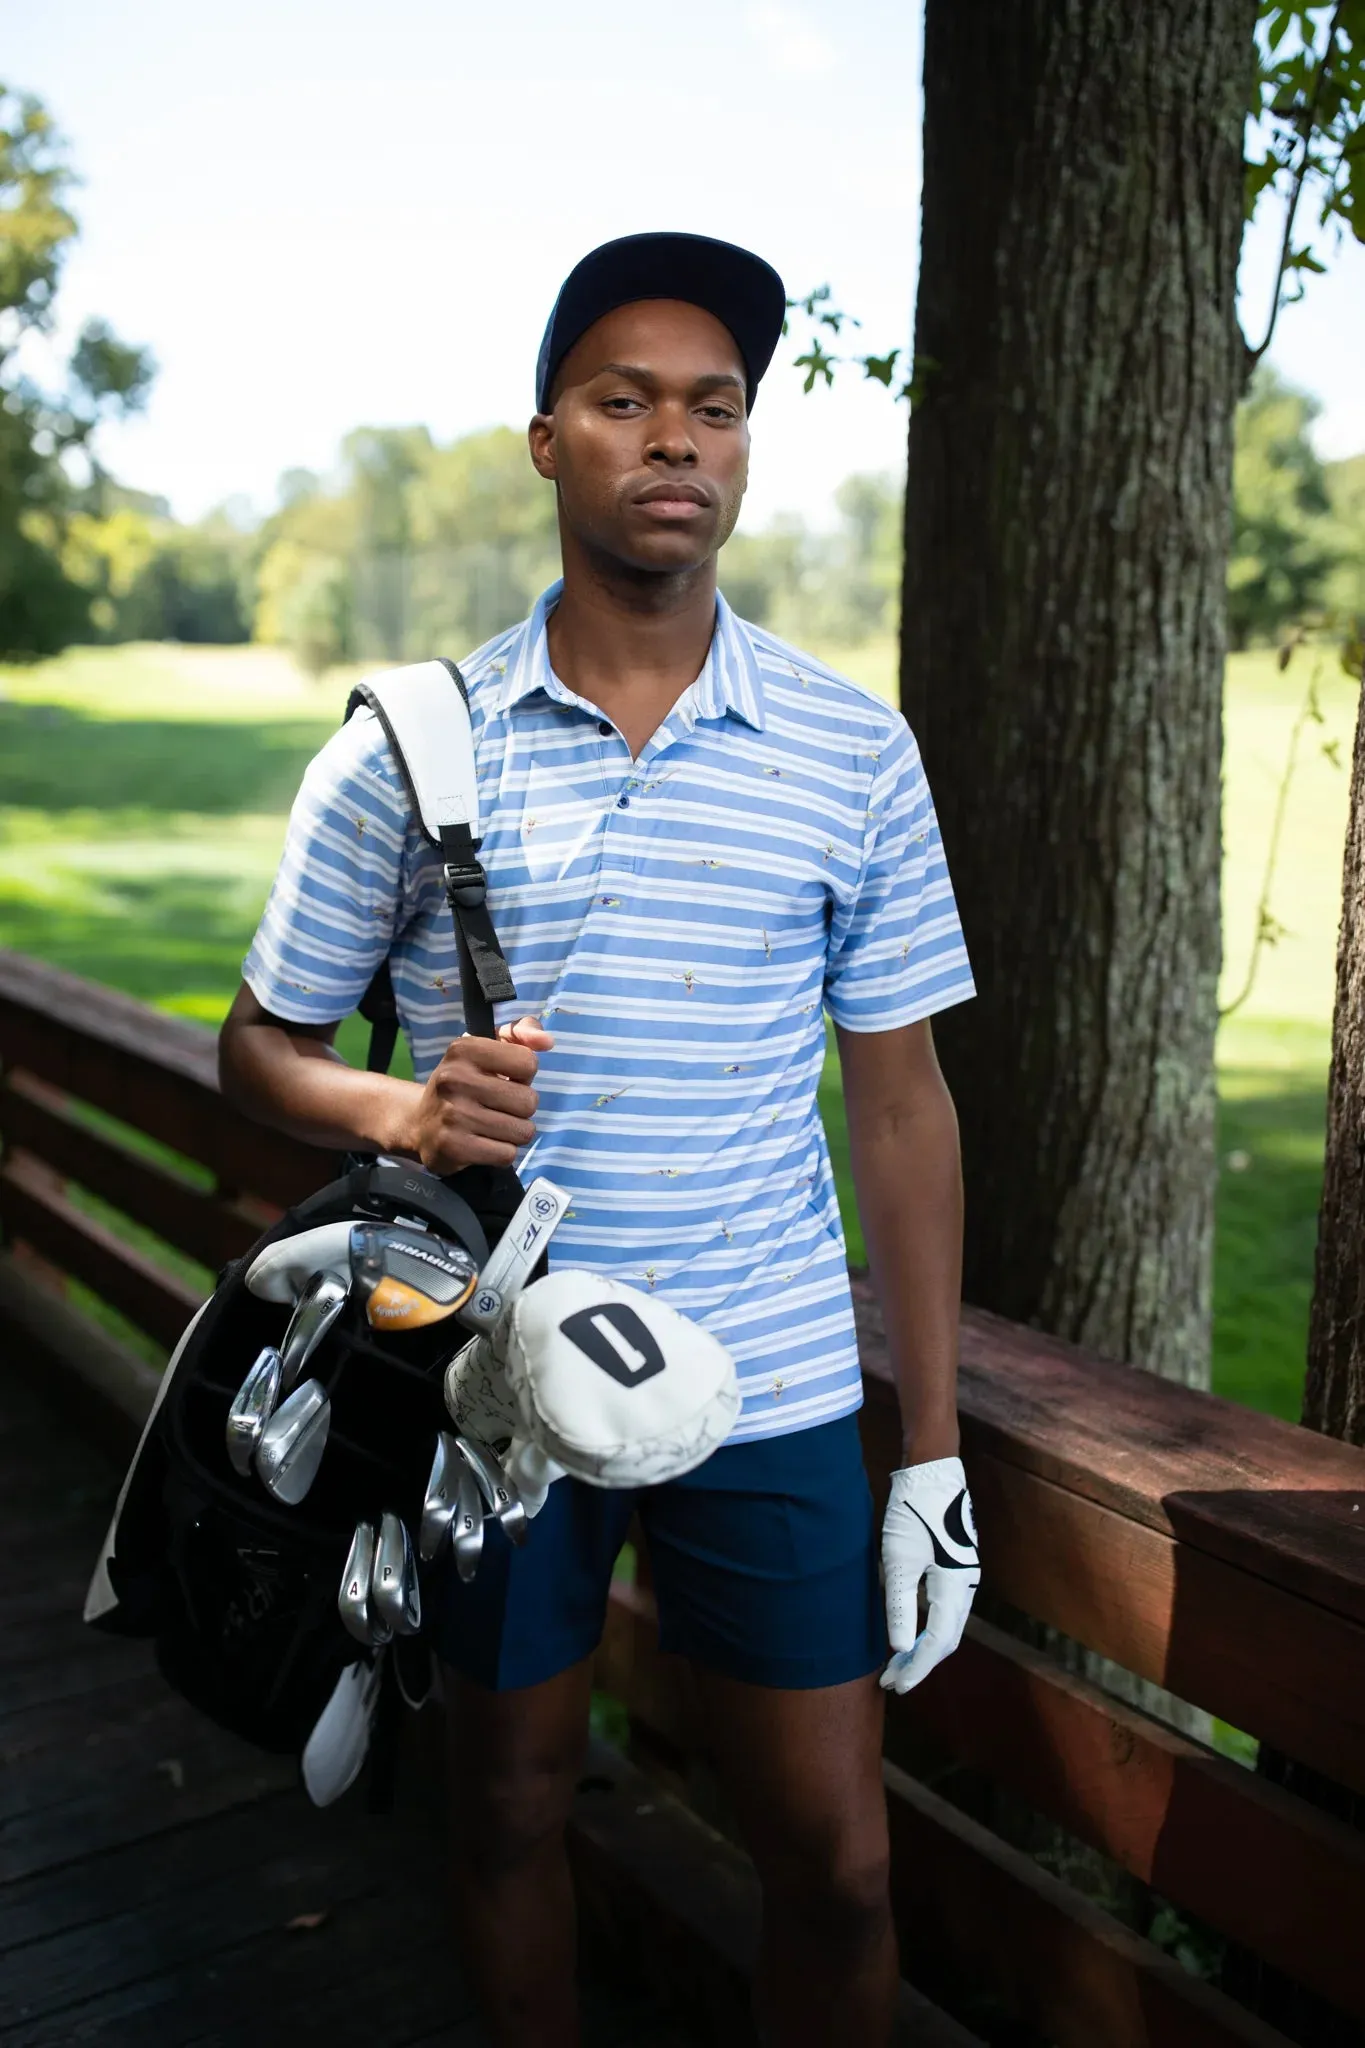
x,y
648,440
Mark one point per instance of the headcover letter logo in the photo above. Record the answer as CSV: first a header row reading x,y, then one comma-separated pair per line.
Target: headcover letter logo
x,y
614,1338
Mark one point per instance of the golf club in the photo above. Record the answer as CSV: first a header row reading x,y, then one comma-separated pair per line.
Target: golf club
x,y
408,1278
353,1599
395,1597
466,1524
252,1408
438,1506
319,1305
336,1749
534,1222
498,1490
292,1442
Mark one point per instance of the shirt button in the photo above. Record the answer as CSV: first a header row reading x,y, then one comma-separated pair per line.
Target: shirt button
x,y
623,803
604,726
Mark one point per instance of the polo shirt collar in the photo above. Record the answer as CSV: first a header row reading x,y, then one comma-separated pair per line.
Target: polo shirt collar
x,y
730,680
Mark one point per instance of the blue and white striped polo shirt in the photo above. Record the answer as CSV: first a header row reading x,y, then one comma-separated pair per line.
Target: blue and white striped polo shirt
x,y
680,922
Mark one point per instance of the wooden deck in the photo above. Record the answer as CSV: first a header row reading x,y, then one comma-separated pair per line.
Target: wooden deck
x,y
1215,1553
163,1884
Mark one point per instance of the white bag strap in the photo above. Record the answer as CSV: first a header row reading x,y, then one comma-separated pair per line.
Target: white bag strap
x,y
424,710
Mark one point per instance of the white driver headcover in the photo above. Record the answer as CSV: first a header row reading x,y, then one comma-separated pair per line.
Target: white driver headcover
x,y
613,1385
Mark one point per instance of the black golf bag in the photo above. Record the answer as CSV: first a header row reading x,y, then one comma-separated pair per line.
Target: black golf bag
x,y
239,1590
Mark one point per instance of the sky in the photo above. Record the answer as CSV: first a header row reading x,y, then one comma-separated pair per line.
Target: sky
x,y
319,215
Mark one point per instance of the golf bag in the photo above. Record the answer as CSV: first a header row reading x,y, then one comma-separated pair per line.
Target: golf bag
x,y
239,1590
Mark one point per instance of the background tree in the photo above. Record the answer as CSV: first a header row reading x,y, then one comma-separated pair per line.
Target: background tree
x,y
1064,632
1284,546
1075,366
41,606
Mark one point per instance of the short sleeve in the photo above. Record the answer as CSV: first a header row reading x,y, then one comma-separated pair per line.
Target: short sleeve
x,y
896,951
338,894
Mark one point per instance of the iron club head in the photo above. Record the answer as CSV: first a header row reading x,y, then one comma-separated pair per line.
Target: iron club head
x,y
395,1597
500,1492
292,1443
353,1598
438,1507
408,1278
466,1524
318,1307
252,1409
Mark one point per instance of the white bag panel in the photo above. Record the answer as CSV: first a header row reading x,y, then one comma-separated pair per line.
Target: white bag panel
x,y
100,1596
614,1385
429,718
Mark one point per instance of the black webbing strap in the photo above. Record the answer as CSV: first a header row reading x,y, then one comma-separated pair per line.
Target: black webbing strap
x,y
484,975
379,1008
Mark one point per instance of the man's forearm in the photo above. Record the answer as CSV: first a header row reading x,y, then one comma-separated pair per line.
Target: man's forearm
x,y
907,1172
301,1084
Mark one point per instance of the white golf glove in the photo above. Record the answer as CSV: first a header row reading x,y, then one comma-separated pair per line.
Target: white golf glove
x,y
928,1534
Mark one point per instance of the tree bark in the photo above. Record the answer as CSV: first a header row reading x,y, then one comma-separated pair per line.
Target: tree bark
x,y
1334,1394
1063,633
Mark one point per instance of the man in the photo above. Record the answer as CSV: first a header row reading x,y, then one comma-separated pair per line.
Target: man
x,y
697,840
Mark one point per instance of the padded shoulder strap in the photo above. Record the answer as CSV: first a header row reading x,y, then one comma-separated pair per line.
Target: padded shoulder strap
x,y
425,713
424,710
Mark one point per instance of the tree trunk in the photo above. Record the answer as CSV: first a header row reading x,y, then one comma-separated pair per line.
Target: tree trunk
x,y
1334,1396
1063,633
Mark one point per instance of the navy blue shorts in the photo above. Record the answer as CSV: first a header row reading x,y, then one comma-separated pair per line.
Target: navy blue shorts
x,y
764,1562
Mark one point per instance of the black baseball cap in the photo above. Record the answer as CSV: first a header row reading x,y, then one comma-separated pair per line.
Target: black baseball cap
x,y
743,292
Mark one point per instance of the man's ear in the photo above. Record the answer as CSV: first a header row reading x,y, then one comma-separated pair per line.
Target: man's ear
x,y
540,437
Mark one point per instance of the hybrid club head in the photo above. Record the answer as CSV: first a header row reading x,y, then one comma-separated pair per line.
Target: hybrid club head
x,y
466,1524
395,1597
318,1307
438,1507
252,1409
408,1278
500,1492
354,1605
292,1443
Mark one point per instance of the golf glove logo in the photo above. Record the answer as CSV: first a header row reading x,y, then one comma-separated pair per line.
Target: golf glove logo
x,y
928,1535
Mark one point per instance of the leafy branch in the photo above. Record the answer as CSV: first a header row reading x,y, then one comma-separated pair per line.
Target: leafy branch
x,y
826,321
1310,97
1268,930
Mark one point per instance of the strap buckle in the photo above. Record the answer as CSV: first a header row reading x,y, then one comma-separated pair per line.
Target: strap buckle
x,y
466,885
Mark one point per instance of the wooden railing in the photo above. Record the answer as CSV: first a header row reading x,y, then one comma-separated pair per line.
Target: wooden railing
x,y
1213,1551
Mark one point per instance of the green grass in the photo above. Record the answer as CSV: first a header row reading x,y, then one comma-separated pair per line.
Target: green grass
x,y
143,795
